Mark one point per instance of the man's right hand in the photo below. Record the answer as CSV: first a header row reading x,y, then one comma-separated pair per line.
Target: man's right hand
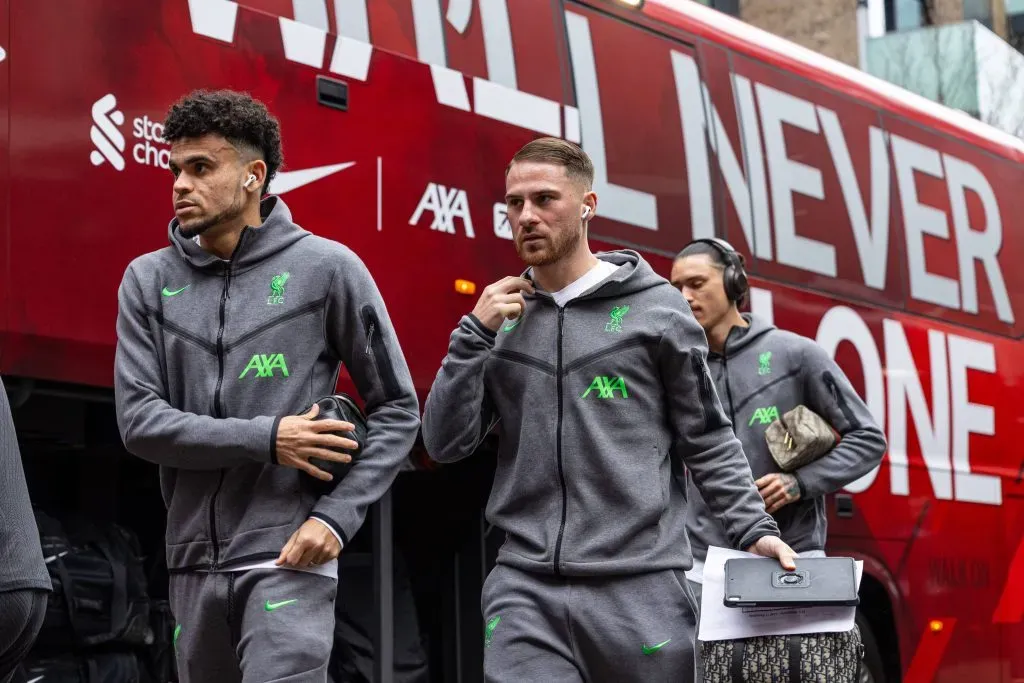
x,y
502,300
773,546
300,438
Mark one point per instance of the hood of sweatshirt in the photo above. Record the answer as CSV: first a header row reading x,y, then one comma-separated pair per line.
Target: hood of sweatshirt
x,y
739,338
633,276
255,245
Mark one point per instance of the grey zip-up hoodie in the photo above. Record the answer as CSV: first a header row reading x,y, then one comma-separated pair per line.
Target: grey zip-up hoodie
x,y
212,354
763,373
601,404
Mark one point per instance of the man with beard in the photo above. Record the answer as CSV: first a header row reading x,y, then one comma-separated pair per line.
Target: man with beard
x,y
595,368
223,336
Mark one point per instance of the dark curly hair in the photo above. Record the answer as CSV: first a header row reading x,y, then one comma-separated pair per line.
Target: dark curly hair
x,y
240,119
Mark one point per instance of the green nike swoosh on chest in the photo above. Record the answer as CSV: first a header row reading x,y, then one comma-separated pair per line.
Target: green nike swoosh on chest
x,y
271,606
169,292
651,649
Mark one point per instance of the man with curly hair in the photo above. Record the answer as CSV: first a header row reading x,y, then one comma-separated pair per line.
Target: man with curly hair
x,y
223,338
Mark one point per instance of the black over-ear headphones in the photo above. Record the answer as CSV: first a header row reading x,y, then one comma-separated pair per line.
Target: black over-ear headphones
x,y
735,277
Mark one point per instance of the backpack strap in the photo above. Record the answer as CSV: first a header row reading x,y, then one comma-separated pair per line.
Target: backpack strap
x,y
739,646
67,588
89,535
119,589
794,658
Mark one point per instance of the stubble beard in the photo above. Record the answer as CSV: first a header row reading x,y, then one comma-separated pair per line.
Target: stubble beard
x,y
204,224
562,244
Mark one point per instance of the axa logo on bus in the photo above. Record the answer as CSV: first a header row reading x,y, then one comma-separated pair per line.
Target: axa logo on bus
x,y
109,143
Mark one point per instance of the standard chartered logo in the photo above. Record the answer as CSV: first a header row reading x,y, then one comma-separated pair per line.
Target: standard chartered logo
x,y
105,136
109,142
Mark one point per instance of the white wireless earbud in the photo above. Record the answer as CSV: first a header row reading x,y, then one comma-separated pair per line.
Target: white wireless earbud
x,y
249,181
586,212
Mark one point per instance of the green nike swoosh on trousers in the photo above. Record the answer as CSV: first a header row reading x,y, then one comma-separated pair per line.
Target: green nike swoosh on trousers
x,y
651,649
271,606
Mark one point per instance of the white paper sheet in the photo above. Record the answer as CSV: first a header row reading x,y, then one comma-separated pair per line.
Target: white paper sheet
x,y
718,622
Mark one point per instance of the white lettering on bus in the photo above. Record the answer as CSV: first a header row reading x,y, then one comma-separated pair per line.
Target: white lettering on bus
x,y
951,477
619,203
840,324
769,228
944,443
789,177
872,240
974,243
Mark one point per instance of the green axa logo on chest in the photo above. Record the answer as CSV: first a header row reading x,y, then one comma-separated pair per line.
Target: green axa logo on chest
x,y
764,416
606,387
764,363
615,324
265,364
277,284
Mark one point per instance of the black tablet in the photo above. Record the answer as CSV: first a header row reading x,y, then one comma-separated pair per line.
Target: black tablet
x,y
817,581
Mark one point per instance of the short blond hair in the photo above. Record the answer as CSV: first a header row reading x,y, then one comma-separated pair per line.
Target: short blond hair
x,y
568,155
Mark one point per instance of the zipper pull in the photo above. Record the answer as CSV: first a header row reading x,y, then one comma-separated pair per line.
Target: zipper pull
x,y
369,337
831,383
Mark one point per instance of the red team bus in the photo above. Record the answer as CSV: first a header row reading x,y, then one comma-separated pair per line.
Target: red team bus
x,y
885,226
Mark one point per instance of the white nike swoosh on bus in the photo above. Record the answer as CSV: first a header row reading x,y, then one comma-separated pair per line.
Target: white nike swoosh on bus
x,y
286,181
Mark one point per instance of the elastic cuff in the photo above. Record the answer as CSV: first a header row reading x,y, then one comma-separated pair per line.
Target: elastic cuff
x,y
480,328
759,532
331,529
273,440
800,485
335,527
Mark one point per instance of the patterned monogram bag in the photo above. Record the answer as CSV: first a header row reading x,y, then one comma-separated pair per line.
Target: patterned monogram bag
x,y
805,658
799,437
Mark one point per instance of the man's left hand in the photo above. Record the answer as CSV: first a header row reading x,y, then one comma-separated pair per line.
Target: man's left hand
x,y
778,490
312,544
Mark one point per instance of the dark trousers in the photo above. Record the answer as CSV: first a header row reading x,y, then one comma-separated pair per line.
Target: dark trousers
x,y
21,616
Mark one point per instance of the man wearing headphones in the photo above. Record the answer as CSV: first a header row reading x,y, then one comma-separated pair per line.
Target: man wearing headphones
x,y
762,372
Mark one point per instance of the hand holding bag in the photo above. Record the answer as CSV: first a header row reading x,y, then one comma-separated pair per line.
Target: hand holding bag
x,y
799,437
338,407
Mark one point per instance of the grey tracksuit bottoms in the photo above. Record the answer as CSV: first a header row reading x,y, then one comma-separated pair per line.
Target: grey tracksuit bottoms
x,y
618,629
253,626
21,616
